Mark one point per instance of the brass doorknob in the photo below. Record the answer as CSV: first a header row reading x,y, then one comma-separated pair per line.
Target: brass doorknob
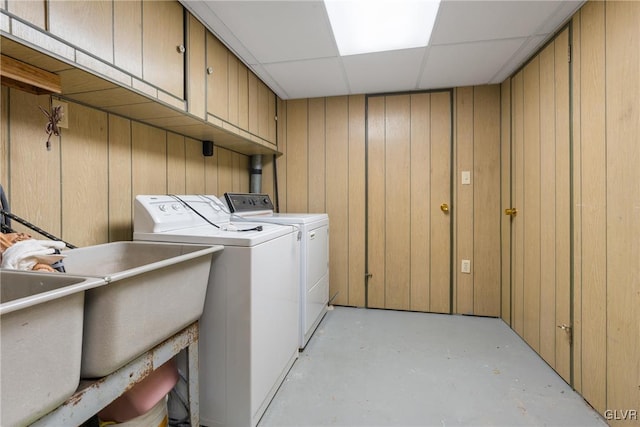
x,y
511,212
444,207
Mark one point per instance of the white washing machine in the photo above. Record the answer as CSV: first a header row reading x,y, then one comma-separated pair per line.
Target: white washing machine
x,y
314,255
248,330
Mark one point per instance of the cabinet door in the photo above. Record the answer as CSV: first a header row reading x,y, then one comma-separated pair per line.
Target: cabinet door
x,y
243,96
217,78
85,24
233,88
31,11
163,45
127,43
253,103
262,109
196,68
271,112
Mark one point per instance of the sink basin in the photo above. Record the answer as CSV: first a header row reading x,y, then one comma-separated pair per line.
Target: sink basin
x,y
41,317
153,291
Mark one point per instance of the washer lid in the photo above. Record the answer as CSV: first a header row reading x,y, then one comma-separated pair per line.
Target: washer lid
x,y
290,218
232,236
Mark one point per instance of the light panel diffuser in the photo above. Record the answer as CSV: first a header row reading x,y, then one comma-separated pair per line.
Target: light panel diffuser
x,y
365,26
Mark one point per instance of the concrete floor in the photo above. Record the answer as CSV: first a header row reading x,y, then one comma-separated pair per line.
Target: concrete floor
x,y
367,367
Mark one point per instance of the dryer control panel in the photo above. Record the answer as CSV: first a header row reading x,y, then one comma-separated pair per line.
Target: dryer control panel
x,y
248,202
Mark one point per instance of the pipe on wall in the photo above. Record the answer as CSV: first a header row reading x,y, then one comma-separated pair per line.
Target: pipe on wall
x,y
255,183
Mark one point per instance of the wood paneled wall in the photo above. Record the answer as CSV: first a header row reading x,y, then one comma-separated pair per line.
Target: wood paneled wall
x,y
604,203
83,189
477,206
323,170
540,191
606,197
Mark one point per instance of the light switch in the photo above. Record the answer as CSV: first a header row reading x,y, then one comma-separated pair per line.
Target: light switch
x,y
466,266
466,177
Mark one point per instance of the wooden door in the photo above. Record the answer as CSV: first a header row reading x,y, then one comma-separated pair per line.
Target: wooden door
x,y
408,202
541,256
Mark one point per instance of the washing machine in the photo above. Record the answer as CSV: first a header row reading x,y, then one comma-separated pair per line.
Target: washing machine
x,y
314,255
248,330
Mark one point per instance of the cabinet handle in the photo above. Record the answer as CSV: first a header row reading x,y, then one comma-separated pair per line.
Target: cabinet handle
x,y
511,212
444,207
180,48
209,70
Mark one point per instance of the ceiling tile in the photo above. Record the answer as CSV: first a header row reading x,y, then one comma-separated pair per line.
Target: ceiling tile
x,y
565,9
384,71
278,31
289,45
465,21
524,52
466,64
309,79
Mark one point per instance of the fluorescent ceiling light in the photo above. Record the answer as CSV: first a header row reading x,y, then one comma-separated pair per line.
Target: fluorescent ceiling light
x,y
364,26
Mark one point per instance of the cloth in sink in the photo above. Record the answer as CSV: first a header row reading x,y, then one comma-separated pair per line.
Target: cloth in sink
x,y
19,253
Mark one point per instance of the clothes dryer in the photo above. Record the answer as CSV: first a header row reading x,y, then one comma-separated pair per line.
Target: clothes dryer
x,y
248,330
314,254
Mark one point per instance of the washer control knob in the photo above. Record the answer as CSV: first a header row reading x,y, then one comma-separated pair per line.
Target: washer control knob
x,y
163,208
175,207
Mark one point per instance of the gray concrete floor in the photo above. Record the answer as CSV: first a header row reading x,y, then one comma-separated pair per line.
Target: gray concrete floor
x,y
367,367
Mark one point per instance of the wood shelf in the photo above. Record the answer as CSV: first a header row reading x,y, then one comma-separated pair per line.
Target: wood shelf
x,y
26,77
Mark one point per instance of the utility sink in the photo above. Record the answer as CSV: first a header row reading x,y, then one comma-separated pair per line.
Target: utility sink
x,y
41,318
153,291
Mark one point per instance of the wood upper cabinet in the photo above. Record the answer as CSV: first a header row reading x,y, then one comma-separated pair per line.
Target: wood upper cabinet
x,y
85,24
217,78
238,93
262,109
143,38
31,11
196,75
163,46
243,96
127,43
270,130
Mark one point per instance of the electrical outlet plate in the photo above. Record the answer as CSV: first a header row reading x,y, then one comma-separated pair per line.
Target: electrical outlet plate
x,y
64,123
466,266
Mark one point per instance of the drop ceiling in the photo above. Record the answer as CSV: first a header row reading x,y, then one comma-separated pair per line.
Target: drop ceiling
x,y
290,46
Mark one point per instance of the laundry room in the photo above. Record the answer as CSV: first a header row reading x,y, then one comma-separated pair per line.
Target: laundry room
x,y
471,203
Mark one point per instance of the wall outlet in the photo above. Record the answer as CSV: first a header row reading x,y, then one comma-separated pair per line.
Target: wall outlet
x,y
64,123
466,266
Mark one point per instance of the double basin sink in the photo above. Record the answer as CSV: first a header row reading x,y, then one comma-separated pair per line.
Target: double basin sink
x,y
115,302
